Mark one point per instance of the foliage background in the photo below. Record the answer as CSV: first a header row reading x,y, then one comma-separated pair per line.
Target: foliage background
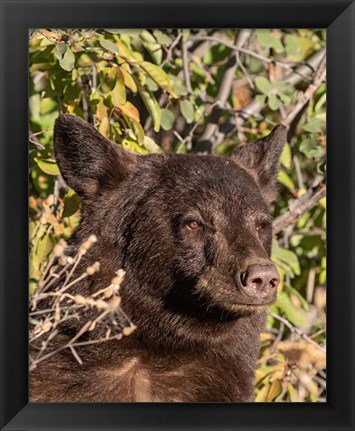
x,y
205,91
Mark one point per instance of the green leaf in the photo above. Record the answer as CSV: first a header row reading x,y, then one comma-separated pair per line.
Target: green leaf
x,y
285,180
60,50
274,102
48,166
68,61
286,156
297,47
118,94
109,45
136,130
287,258
285,98
181,148
296,316
133,146
311,149
71,203
187,110
152,106
162,38
179,86
113,30
270,39
263,84
261,98
151,146
151,85
314,125
167,119
159,76
44,247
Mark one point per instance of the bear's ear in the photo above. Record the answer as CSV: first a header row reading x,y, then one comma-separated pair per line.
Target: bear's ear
x,y
261,160
88,161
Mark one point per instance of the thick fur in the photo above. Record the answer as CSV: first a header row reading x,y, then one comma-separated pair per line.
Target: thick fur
x,y
197,336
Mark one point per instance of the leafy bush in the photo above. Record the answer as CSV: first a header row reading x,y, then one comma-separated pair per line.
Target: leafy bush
x,y
183,91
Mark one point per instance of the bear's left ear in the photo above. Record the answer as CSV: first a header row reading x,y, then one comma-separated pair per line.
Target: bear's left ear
x,y
261,160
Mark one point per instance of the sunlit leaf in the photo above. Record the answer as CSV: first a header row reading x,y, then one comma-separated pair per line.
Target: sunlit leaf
x,y
162,38
159,76
270,39
274,391
133,146
48,166
109,45
104,126
67,62
286,156
118,94
152,106
130,110
285,180
151,146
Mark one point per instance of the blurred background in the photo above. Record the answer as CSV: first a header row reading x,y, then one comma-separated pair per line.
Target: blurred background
x,y
205,91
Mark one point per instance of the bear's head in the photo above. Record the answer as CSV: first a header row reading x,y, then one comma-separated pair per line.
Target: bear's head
x,y
192,232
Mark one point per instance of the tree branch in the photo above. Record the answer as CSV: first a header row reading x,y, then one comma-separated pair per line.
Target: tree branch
x,y
296,330
205,142
299,207
254,108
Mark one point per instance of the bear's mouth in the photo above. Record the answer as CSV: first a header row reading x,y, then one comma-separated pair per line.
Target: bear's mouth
x,y
207,302
226,296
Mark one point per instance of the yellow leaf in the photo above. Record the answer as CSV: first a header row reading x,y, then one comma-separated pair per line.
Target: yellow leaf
x,y
104,126
262,394
133,146
275,390
292,393
101,111
323,202
127,77
118,94
159,76
130,110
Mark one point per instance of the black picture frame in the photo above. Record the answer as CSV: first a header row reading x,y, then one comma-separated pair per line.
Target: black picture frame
x,y
17,16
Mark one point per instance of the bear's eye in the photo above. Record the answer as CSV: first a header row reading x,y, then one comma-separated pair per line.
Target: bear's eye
x,y
192,225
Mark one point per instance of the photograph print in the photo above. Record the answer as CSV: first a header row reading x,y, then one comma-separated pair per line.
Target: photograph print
x,y
177,215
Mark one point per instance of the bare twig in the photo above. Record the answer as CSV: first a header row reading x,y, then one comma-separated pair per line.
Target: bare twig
x,y
208,142
236,47
319,78
299,207
169,54
185,63
222,95
295,330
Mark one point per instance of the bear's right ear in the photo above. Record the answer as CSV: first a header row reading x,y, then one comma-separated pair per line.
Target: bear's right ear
x,y
88,161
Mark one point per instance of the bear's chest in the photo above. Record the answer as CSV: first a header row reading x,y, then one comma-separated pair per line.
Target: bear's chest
x,y
139,381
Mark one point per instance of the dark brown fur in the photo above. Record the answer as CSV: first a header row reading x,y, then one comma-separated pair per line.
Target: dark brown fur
x,y
197,336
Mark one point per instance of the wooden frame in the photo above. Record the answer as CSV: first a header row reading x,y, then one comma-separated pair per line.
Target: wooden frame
x,y
17,17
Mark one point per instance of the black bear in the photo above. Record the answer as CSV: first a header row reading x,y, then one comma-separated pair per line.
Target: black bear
x,y
193,234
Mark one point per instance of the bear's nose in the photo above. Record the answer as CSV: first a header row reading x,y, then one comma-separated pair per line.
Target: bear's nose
x,y
260,279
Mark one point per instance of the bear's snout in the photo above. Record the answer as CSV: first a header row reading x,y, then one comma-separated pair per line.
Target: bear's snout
x,y
260,281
